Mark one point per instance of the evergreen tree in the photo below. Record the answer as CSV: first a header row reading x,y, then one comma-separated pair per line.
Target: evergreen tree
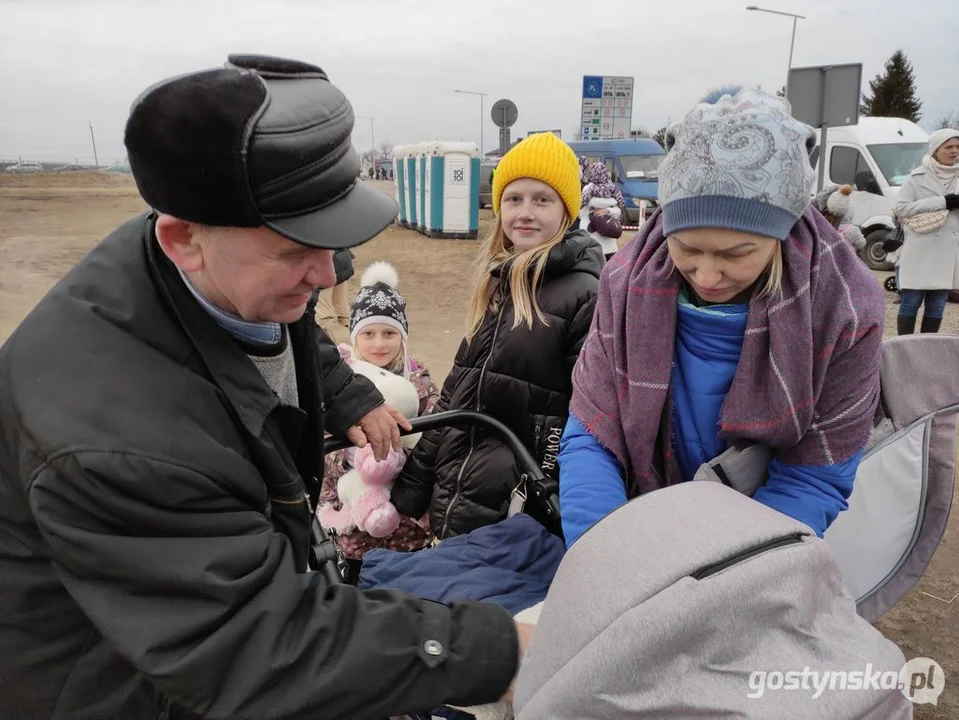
x,y
893,93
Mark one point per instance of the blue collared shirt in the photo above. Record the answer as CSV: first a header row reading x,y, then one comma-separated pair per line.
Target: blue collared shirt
x,y
254,333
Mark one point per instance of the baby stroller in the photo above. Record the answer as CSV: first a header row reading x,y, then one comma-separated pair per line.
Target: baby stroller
x,y
698,582
534,494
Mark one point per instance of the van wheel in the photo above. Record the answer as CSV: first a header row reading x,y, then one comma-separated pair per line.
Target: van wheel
x,y
873,254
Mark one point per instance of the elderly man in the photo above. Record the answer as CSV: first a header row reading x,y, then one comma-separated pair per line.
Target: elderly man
x,y
161,420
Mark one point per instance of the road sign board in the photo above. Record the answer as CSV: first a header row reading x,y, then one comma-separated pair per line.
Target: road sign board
x,y
607,107
504,113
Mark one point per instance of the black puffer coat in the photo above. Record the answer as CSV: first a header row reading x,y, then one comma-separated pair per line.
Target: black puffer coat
x,y
520,376
343,265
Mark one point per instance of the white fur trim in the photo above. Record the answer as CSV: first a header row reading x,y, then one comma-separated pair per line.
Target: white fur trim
x,y
377,320
380,272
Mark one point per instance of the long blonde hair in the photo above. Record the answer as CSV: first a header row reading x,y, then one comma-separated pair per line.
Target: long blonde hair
x,y
525,275
774,274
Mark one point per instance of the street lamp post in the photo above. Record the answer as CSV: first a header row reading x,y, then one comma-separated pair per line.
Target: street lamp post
x,y
372,140
792,42
482,118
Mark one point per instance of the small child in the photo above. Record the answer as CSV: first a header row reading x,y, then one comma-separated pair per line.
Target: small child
x,y
834,204
379,333
600,211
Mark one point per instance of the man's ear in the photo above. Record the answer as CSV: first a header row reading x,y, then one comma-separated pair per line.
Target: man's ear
x,y
180,241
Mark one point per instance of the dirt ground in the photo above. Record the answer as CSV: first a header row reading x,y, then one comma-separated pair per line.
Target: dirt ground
x,y
48,222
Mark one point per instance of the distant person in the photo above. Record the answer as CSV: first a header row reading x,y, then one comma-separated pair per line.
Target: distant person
x,y
163,411
333,304
583,165
928,208
602,208
532,302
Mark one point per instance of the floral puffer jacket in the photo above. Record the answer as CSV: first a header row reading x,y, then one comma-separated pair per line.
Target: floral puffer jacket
x,y
412,534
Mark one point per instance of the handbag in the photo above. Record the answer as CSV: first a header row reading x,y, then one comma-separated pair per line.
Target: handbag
x,y
894,239
927,222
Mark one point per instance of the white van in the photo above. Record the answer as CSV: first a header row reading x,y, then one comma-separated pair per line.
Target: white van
x,y
875,157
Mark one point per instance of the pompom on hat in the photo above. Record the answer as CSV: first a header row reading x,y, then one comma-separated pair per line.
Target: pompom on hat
x,y
378,301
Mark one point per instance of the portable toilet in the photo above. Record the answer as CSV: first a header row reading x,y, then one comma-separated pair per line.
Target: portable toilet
x,y
399,184
419,169
428,151
424,186
452,209
412,184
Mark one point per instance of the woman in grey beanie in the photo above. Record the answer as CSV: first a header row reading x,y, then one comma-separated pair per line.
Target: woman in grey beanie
x,y
737,315
928,207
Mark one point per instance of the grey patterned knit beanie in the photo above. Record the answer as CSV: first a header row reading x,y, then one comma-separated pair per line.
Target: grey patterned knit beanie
x,y
740,164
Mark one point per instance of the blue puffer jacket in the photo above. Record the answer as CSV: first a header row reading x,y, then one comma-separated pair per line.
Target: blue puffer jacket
x,y
707,350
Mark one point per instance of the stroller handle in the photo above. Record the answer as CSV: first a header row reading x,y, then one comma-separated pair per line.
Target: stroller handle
x,y
461,418
544,489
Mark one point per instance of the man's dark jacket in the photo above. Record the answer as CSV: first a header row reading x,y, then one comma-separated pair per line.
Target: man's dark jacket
x,y
155,523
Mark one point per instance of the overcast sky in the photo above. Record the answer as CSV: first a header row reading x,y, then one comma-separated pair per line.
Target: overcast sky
x,y
64,63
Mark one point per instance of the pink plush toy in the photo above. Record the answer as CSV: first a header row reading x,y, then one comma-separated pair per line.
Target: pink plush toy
x,y
364,490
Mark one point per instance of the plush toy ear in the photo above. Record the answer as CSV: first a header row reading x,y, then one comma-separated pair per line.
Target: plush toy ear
x,y
346,354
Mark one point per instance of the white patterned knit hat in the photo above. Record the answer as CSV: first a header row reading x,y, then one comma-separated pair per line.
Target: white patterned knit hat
x,y
378,301
740,164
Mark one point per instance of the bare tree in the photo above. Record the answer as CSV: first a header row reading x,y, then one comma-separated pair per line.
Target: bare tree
x,y
386,149
949,120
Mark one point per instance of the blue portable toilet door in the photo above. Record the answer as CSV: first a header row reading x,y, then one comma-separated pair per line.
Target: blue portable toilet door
x,y
411,192
426,195
421,174
399,168
436,197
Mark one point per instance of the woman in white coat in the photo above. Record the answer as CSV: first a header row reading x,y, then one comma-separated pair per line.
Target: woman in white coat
x,y
929,264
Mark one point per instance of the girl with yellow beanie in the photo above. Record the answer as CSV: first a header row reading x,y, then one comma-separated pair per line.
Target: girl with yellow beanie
x,y
533,295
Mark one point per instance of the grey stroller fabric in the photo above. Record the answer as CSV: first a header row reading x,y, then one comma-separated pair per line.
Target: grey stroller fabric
x,y
668,608
904,488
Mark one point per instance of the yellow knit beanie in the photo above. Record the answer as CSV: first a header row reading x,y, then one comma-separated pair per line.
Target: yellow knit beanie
x,y
546,158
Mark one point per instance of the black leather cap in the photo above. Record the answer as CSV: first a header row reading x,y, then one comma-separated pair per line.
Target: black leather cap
x,y
261,141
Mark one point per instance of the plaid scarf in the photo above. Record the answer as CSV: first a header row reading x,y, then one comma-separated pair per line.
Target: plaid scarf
x,y
807,382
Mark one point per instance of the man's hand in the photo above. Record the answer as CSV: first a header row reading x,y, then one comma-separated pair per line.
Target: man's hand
x,y
524,632
379,428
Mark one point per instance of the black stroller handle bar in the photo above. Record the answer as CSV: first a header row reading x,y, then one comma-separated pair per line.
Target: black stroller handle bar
x,y
460,418
544,489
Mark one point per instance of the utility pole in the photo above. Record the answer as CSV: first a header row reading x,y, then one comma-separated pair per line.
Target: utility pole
x,y
482,96
372,140
96,162
792,42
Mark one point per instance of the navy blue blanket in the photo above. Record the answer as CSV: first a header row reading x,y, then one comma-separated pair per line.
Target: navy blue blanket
x,y
510,563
